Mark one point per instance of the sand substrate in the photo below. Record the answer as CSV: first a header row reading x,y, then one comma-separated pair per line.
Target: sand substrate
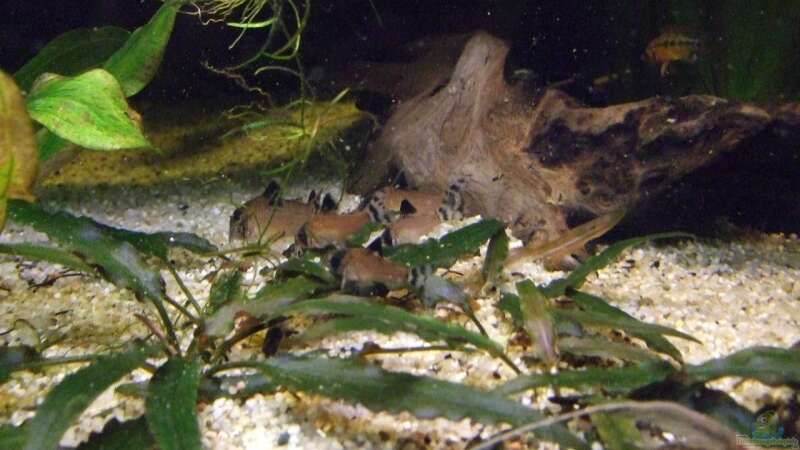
x,y
729,295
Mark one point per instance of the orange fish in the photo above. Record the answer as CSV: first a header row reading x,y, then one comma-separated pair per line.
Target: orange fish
x,y
670,46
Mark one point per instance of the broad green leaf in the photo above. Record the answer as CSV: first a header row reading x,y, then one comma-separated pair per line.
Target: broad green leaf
x,y
226,288
72,53
171,405
89,110
136,63
266,301
445,251
537,321
772,366
302,266
391,318
116,435
600,347
18,159
13,438
424,397
614,380
577,277
496,255
46,253
119,260
596,305
65,402
12,357
617,431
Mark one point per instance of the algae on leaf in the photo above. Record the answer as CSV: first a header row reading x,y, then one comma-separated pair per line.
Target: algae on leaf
x,y
89,110
171,405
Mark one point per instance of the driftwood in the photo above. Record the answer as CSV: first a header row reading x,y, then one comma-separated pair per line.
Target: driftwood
x,y
536,160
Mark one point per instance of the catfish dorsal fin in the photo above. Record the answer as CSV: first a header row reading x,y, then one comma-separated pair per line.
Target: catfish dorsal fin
x,y
400,181
376,246
407,208
272,193
327,204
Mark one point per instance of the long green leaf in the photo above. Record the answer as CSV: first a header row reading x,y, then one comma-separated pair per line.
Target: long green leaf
x,y
226,288
297,266
617,432
496,255
135,64
629,326
615,380
159,243
600,347
72,53
65,402
171,405
772,366
89,110
605,317
130,435
445,251
393,318
266,301
423,397
13,438
119,260
46,253
596,305
538,321
13,357
577,277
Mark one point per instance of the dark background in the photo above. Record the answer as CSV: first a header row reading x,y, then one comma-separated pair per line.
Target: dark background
x,y
755,187
558,39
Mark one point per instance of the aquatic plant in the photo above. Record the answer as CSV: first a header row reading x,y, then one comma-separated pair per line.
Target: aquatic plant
x,y
188,348
752,48
76,98
198,370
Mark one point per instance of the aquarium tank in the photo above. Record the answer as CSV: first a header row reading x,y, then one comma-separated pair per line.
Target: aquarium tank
x,y
363,224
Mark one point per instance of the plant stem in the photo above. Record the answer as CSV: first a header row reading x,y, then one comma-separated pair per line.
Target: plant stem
x,y
182,286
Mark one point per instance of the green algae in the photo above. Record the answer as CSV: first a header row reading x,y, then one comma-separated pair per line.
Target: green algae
x,y
202,146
